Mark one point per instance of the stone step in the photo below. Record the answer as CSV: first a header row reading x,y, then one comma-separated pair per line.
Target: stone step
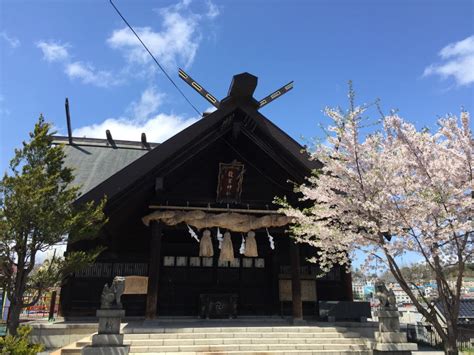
x,y
245,347
305,329
70,351
210,341
240,340
224,335
74,348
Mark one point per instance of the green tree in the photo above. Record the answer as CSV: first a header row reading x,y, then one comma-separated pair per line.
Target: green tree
x,y
37,212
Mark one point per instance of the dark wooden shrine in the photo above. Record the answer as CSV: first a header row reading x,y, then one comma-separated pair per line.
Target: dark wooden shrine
x,y
183,173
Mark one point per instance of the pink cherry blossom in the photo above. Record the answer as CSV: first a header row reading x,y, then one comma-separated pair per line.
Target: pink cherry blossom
x,y
394,191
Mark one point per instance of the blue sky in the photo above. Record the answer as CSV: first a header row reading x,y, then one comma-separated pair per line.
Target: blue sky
x,y
416,56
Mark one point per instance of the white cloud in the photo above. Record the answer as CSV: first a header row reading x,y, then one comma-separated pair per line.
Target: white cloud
x,y
210,109
212,10
149,103
89,75
157,126
458,62
12,41
53,51
175,45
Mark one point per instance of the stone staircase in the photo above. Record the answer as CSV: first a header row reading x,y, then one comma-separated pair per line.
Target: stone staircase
x,y
241,340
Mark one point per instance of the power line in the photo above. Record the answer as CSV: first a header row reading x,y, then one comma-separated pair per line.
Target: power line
x,y
157,63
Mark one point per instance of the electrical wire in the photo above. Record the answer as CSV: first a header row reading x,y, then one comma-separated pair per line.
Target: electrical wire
x,y
157,63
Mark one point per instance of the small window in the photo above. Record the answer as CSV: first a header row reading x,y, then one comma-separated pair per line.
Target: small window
x,y
235,263
207,262
260,263
181,261
168,261
223,264
195,261
247,262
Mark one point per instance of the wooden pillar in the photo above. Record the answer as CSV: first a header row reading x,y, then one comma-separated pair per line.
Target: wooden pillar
x,y
347,277
275,268
52,306
153,271
296,282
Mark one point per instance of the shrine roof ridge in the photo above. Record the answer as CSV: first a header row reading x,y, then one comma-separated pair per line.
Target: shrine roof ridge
x,y
103,143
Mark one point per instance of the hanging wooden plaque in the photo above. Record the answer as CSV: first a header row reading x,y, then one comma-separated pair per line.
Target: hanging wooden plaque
x,y
136,285
229,184
308,290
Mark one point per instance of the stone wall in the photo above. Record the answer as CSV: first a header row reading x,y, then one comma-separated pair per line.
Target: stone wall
x,y
55,336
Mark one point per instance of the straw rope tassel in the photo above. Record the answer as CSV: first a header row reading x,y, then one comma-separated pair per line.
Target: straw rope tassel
x,y
227,250
205,246
251,245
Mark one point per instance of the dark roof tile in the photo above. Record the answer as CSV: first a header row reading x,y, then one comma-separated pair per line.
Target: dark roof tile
x,y
95,160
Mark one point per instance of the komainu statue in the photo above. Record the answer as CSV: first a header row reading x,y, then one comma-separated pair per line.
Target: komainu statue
x,y
386,296
110,298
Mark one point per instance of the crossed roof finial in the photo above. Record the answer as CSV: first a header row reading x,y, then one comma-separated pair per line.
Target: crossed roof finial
x,y
242,86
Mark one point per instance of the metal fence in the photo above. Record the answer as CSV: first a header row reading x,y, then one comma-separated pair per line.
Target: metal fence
x,y
426,335
46,308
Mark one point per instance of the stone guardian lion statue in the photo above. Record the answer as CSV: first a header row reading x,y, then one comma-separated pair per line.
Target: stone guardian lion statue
x,y
386,296
110,297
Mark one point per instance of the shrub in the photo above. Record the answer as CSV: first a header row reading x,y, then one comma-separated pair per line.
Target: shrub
x,y
19,345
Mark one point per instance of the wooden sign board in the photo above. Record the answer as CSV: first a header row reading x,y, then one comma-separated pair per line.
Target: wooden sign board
x,y
229,183
136,285
308,291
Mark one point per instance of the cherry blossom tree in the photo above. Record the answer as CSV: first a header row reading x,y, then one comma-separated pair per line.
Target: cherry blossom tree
x,y
390,192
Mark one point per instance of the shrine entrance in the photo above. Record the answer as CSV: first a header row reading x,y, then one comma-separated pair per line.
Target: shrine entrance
x,y
187,280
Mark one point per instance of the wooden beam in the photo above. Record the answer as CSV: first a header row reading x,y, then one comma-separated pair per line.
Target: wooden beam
x,y
153,271
296,282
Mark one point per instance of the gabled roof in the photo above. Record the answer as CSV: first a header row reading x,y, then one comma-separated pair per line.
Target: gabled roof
x,y
202,132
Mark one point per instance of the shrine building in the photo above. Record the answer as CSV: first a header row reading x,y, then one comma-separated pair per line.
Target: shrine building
x,y
192,223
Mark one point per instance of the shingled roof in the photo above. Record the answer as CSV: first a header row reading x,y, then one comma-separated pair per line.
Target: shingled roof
x,y
95,160
466,310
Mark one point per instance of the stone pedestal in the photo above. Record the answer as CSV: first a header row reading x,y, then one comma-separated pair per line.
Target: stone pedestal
x,y
108,341
389,340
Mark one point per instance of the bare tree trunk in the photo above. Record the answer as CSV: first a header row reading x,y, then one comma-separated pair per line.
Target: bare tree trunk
x,y
14,317
16,298
450,346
